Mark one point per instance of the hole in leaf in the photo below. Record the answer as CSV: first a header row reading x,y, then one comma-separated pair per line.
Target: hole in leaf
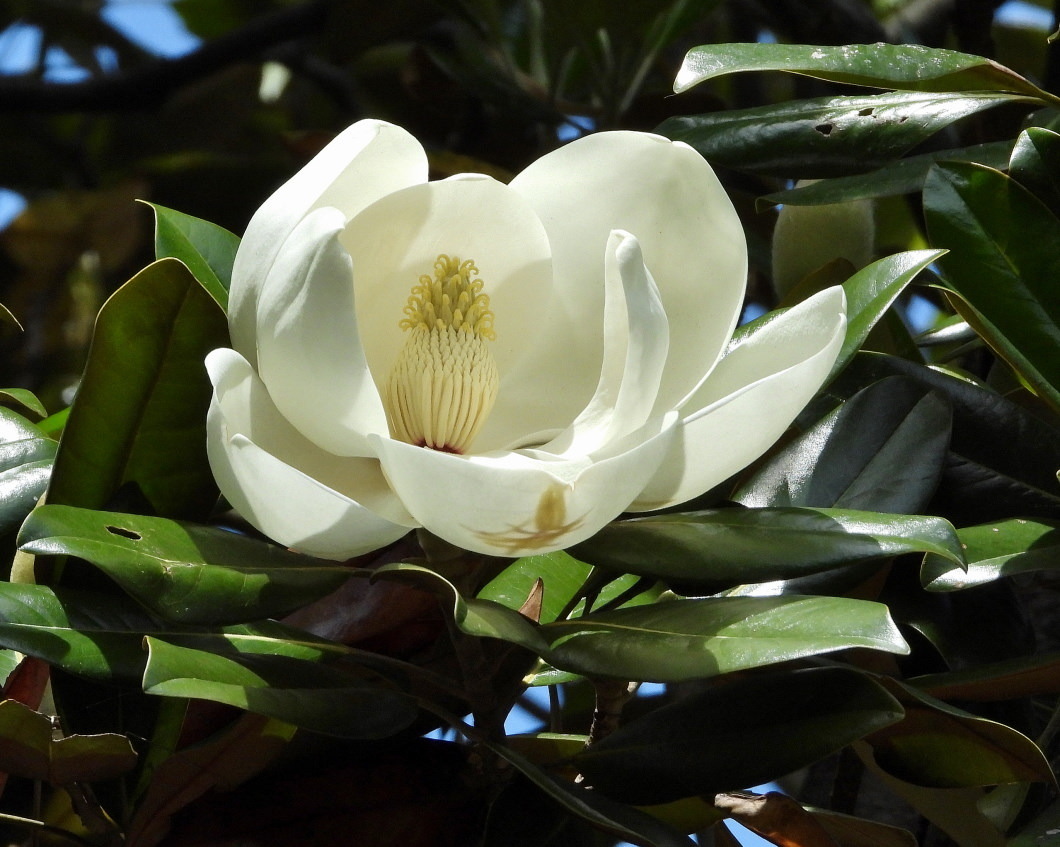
x,y
866,112
824,129
124,533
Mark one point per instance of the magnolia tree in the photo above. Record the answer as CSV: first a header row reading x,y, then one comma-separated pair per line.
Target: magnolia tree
x,y
427,450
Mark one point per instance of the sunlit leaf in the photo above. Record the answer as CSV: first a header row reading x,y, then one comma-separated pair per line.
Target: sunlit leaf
x,y
825,136
207,249
997,549
140,413
682,639
733,546
903,66
702,743
184,572
1004,256
315,696
26,455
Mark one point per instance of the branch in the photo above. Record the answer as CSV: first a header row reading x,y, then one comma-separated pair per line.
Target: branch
x,y
145,87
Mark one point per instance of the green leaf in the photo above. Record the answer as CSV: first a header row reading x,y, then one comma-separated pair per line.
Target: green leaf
x,y
1009,679
870,293
1040,830
994,550
207,249
883,449
903,66
140,413
602,812
745,732
28,749
183,572
1004,256
825,136
26,399
734,546
26,455
906,176
698,638
1003,458
1035,164
320,697
475,617
940,746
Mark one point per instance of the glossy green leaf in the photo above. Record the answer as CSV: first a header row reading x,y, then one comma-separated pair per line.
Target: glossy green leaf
x,y
207,249
1003,458
1025,676
140,414
733,546
682,639
903,66
26,399
184,572
29,749
940,746
310,695
26,455
906,176
746,732
1004,256
825,136
602,812
882,450
994,550
1035,164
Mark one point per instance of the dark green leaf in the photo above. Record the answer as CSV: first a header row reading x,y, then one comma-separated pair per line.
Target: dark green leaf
x,y
825,136
903,66
1002,460
314,696
26,455
745,732
1009,679
994,550
184,572
602,812
1004,256
906,176
939,746
1035,164
140,413
207,249
682,639
736,546
883,450
26,399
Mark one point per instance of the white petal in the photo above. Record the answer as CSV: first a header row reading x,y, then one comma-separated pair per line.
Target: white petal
x,y
363,163
284,485
636,339
309,347
515,504
751,398
397,240
666,195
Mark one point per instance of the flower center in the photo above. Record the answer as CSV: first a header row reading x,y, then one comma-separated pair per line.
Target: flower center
x,y
444,382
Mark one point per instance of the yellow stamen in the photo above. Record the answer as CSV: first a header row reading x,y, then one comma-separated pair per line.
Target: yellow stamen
x,y
444,382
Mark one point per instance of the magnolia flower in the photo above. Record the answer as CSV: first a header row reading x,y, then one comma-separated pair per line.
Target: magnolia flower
x,y
509,366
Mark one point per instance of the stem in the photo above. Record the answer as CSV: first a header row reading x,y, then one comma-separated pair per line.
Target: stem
x,y
611,696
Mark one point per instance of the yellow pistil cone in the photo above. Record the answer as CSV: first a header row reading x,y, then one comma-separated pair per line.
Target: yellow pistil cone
x,y
444,382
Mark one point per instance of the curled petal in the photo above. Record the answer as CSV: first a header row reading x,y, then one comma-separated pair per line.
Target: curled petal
x,y
666,195
636,340
286,486
753,395
524,502
365,162
309,346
